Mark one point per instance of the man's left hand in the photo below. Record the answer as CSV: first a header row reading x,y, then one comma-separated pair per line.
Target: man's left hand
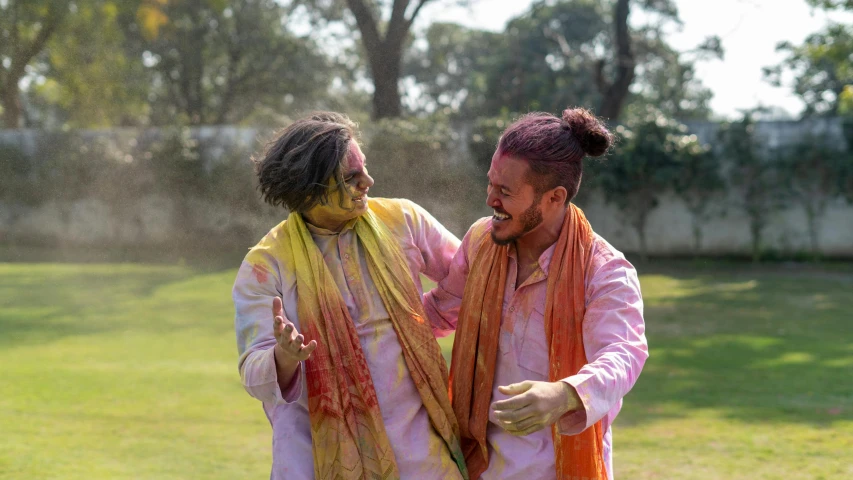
x,y
534,405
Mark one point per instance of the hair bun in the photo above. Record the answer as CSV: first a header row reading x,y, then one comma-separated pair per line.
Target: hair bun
x,y
590,132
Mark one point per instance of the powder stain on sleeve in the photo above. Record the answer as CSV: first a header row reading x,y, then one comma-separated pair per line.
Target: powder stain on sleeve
x,y
261,272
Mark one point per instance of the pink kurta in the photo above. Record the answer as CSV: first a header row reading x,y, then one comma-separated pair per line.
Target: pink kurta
x,y
420,452
614,340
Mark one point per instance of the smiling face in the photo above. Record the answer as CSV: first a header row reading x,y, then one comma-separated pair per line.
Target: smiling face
x,y
342,207
516,204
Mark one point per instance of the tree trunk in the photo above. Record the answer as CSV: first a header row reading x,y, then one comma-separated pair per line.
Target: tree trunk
x,y
386,73
385,53
11,101
755,230
812,213
21,55
615,92
697,237
640,227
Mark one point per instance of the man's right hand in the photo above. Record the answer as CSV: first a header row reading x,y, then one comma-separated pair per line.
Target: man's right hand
x,y
289,349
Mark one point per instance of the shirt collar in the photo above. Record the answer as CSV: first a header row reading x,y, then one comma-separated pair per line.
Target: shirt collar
x,y
544,259
315,230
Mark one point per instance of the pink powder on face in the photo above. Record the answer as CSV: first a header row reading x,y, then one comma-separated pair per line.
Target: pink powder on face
x,y
355,158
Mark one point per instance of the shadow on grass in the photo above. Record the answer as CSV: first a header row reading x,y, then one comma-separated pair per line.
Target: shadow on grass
x,y
753,345
44,302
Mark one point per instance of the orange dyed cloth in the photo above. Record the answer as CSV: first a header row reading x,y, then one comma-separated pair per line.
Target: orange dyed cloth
x,y
347,431
475,349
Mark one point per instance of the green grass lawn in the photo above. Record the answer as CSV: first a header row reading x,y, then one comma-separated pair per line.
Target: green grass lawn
x,y
129,372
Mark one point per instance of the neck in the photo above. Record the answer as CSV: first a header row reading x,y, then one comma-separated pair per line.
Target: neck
x,y
532,244
324,222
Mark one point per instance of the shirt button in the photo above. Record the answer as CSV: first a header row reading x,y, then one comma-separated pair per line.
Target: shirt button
x,y
346,256
511,309
351,278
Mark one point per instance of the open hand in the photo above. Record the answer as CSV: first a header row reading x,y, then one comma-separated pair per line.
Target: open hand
x,y
534,406
289,346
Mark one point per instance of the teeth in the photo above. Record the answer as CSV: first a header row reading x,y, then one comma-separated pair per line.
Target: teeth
x,y
501,216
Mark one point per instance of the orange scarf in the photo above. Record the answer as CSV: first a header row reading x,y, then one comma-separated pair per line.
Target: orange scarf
x,y
347,432
472,371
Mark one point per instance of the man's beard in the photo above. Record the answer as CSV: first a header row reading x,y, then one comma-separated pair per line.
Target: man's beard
x,y
530,219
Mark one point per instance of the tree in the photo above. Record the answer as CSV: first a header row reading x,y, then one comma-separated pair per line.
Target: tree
x,y
454,69
811,169
699,184
750,176
564,53
26,26
832,4
845,180
549,59
383,41
614,87
214,61
822,67
666,78
90,81
65,64
645,165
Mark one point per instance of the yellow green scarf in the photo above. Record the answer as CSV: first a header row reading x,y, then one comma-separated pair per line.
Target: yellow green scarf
x,y
347,431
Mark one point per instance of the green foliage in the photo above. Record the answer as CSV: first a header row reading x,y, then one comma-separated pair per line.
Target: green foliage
x,y
647,162
66,167
555,55
415,159
751,177
71,53
92,81
176,164
699,184
197,178
417,146
822,68
666,77
133,62
26,28
17,179
548,62
845,180
810,171
832,4
215,62
455,68
485,135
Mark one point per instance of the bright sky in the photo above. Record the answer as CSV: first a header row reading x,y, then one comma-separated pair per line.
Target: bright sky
x,y
750,30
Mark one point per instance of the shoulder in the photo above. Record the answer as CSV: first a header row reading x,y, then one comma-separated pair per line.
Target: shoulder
x,y
603,252
396,214
271,249
608,268
392,211
478,233
401,215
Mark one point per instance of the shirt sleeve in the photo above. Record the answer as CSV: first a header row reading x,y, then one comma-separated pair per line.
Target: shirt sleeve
x,y
436,243
615,343
442,303
258,282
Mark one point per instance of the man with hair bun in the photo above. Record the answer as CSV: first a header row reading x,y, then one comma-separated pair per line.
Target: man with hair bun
x,y
549,316
331,329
